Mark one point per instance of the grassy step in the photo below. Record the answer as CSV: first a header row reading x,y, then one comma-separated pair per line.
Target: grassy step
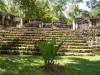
x,y
75,54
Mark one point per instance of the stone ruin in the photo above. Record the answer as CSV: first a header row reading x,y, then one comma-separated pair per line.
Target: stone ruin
x,y
56,25
38,23
11,21
47,25
61,25
84,23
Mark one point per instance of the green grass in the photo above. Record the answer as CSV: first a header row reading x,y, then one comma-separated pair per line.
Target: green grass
x,y
30,65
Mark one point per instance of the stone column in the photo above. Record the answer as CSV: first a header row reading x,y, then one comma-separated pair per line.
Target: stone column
x,y
90,22
74,25
20,24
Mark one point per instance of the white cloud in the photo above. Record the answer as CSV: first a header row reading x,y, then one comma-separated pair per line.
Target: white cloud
x,y
83,6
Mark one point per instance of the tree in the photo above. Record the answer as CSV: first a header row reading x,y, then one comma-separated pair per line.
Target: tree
x,y
35,9
3,9
2,6
75,11
58,8
10,8
13,9
94,5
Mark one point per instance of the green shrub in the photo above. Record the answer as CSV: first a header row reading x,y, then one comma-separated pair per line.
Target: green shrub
x,y
49,50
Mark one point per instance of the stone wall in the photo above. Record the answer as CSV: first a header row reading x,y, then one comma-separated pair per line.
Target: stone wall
x,y
37,23
47,25
11,21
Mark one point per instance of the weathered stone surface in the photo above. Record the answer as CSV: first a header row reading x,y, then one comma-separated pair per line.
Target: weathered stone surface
x,y
47,25
38,23
8,21
0,19
18,21
61,25
13,21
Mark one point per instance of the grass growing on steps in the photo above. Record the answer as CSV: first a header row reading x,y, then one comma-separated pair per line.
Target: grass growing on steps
x,y
30,65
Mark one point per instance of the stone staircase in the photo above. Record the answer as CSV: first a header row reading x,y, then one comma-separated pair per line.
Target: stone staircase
x,y
17,41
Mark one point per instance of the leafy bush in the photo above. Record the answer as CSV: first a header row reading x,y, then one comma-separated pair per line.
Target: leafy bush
x,y
49,50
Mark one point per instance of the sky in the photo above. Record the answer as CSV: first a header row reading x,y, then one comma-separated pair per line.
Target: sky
x,y
83,6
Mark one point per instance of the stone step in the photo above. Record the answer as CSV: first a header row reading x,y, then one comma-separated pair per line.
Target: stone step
x,y
76,47
67,44
76,44
16,44
45,38
17,52
76,41
76,50
13,52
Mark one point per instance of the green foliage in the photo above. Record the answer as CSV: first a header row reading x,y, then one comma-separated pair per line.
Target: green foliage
x,y
13,9
96,13
69,21
2,6
94,5
58,8
35,9
49,50
85,13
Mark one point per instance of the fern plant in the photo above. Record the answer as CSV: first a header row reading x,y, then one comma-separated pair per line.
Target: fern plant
x,y
49,50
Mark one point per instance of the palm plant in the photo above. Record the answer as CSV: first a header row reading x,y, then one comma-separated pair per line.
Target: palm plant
x,y
49,50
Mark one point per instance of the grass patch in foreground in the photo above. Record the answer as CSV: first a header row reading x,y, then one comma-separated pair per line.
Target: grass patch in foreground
x,y
30,65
